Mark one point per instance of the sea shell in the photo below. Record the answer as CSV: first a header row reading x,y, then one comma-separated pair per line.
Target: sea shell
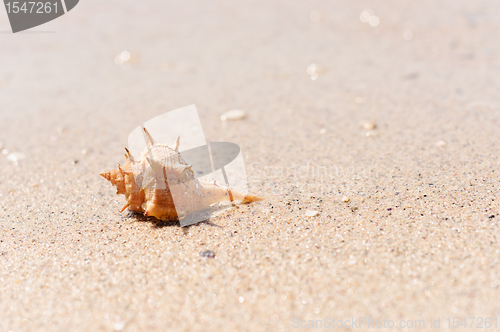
x,y
149,183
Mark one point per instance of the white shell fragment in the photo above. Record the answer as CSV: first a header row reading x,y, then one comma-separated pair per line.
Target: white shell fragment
x,y
15,157
123,60
311,213
233,115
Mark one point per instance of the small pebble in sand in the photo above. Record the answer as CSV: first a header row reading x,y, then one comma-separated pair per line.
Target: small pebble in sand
x,y
313,71
233,115
311,213
15,157
207,254
315,16
346,199
440,143
165,66
374,21
370,125
122,57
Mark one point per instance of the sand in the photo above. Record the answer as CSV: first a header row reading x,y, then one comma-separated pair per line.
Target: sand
x,y
391,136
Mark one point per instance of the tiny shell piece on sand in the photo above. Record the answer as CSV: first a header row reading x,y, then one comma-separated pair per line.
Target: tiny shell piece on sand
x,y
311,213
370,125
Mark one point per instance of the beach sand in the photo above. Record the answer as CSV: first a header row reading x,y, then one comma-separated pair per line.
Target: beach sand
x,y
387,128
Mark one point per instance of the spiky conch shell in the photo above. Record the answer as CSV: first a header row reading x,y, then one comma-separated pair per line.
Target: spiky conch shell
x,y
146,188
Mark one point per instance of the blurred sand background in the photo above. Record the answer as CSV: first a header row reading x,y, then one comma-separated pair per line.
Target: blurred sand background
x,y
408,214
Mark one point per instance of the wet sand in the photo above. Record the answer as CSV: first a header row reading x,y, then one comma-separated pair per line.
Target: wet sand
x,y
387,128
